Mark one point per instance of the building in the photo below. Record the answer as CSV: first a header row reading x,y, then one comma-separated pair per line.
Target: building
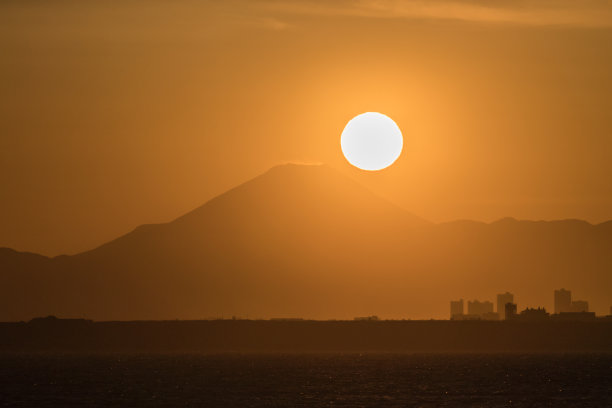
x,y
476,307
510,310
534,314
490,316
456,308
563,301
502,300
579,306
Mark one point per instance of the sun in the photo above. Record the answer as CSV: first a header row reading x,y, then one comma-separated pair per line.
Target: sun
x,y
371,141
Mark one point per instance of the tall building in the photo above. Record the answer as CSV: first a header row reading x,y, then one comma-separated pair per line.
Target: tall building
x,y
476,307
510,310
456,308
563,301
502,300
578,306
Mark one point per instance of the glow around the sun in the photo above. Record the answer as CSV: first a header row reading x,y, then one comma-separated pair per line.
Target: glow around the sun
x,y
371,141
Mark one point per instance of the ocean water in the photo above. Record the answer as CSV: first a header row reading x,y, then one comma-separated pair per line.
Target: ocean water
x,y
305,380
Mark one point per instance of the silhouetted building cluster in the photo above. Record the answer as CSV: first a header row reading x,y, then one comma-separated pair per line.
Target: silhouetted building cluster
x,y
565,309
502,300
534,314
564,303
476,307
477,310
510,310
367,318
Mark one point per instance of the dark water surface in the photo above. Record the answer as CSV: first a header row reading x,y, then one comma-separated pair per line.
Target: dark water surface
x,y
306,380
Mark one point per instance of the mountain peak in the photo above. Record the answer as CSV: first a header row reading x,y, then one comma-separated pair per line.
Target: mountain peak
x,y
292,191
299,165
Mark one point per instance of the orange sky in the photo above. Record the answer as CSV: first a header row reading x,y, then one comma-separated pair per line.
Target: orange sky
x,y
115,114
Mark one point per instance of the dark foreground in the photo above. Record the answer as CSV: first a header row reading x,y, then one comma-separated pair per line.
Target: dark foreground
x,y
216,336
308,380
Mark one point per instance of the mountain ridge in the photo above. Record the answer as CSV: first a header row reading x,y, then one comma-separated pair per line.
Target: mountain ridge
x,y
308,241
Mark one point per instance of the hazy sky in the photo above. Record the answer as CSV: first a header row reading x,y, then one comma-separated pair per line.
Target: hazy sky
x,y
119,113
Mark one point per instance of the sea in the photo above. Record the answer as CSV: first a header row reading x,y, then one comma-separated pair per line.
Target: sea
x,y
305,380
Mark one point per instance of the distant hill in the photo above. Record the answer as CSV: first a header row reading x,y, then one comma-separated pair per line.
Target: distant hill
x,y
308,241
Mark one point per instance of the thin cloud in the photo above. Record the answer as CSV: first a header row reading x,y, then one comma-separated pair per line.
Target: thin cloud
x,y
595,13
271,23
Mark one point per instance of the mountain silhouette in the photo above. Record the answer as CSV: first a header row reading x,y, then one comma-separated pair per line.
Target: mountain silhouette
x,y
307,241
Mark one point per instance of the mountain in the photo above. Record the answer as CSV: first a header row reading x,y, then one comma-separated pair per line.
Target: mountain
x,y
310,242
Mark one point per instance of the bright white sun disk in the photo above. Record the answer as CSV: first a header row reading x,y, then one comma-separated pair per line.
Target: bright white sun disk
x,y
371,141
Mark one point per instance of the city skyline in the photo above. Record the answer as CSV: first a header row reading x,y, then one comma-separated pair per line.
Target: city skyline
x,y
564,307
